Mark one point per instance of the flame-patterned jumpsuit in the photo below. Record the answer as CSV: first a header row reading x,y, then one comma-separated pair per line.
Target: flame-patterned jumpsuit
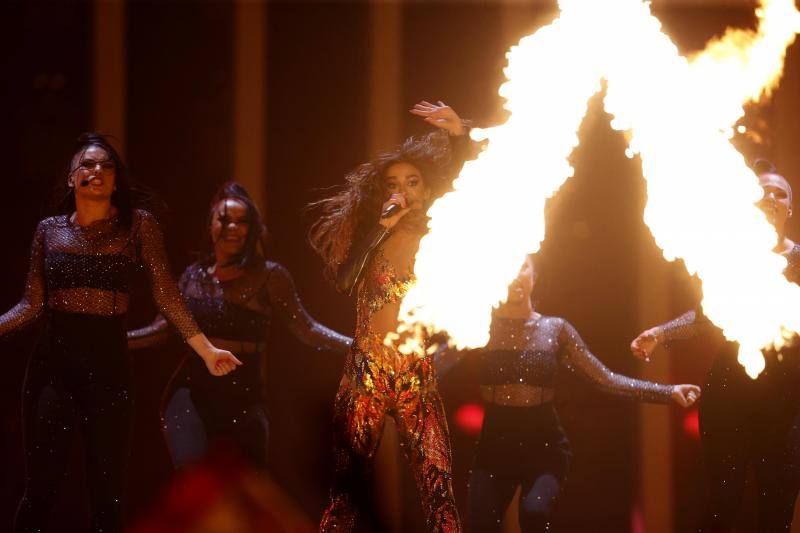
x,y
378,381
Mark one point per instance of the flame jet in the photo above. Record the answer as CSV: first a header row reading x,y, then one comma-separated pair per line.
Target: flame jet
x,y
678,115
480,232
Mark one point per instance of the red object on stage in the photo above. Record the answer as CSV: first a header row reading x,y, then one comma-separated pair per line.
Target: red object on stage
x,y
469,418
691,424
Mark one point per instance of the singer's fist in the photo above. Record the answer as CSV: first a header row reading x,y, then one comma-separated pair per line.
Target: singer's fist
x,y
395,199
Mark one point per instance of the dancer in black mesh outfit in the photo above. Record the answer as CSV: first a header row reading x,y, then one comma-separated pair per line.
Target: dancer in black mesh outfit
x,y
78,376
522,443
233,293
746,422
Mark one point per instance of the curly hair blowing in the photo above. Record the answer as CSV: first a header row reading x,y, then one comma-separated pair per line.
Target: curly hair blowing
x,y
345,217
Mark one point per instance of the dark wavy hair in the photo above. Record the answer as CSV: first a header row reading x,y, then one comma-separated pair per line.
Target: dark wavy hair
x,y
256,234
349,214
127,196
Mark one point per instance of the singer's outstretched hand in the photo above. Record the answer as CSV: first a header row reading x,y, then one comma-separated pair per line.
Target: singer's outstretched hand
x,y
395,199
440,115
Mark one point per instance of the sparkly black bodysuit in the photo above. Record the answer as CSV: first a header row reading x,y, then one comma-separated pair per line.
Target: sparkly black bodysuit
x,y
79,377
522,442
235,314
85,270
519,364
746,422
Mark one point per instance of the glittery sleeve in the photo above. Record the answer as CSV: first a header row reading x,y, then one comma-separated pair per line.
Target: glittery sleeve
x,y
577,357
157,331
165,292
690,324
290,310
792,271
694,323
32,303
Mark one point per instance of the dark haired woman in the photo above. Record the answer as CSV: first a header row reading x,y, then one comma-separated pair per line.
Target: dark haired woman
x,y
79,376
375,256
748,422
233,293
522,443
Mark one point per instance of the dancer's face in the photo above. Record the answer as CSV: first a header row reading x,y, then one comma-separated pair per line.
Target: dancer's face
x,y
521,288
776,202
229,227
93,166
406,179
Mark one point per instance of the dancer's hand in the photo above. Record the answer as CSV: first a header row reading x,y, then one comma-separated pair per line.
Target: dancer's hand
x,y
397,199
647,341
440,115
685,395
220,362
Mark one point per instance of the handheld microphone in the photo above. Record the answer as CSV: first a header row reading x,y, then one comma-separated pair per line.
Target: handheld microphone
x,y
86,181
391,210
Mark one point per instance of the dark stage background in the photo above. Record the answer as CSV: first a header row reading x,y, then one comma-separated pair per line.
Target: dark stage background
x,y
318,123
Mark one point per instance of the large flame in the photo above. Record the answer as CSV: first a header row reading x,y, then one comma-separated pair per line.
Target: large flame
x,y
679,116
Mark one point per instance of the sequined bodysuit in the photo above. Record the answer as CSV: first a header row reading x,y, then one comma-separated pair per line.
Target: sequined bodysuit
x,y
78,378
522,442
748,422
85,270
379,381
201,409
519,364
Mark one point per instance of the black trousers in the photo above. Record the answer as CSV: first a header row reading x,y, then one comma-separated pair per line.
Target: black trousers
x,y
202,411
78,378
519,447
743,423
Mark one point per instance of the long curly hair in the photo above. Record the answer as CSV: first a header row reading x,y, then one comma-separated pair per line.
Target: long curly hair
x,y
349,214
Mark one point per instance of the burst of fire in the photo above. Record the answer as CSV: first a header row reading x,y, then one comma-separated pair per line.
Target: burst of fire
x,y
678,115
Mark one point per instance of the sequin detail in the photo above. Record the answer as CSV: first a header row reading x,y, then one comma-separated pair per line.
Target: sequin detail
x,y
378,381
85,270
384,286
241,309
521,360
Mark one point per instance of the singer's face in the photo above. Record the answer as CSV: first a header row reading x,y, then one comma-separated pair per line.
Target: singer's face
x,y
93,174
406,179
522,287
229,227
776,202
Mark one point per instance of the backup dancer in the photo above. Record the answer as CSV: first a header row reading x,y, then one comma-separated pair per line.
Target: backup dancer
x,y
233,293
748,422
78,377
522,443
